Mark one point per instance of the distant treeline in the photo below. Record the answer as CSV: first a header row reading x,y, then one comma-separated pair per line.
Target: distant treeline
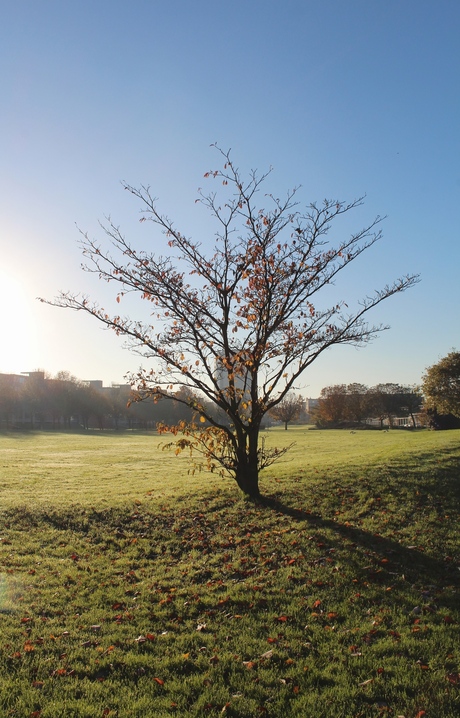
x,y
35,401
383,404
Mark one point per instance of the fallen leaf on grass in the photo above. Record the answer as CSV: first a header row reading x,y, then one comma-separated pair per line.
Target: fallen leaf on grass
x,y
250,665
159,681
366,683
453,678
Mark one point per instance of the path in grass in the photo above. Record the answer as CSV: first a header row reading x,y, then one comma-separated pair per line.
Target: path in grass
x,y
152,596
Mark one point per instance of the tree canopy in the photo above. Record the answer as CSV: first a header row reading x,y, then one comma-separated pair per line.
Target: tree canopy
x,y
441,385
235,326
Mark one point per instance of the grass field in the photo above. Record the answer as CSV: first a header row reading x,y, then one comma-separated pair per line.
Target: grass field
x,y
130,588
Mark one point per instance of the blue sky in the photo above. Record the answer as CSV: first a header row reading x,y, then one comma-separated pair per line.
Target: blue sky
x,y
342,98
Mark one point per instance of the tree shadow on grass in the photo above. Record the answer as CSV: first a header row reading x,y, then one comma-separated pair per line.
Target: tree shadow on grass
x,y
431,481
411,562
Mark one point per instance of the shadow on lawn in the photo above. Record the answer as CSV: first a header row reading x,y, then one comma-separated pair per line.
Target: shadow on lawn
x,y
434,481
413,562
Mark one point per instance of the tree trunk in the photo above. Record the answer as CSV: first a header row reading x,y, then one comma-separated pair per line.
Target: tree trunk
x,y
247,470
247,478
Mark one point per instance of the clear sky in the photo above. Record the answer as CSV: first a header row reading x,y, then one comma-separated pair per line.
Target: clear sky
x,y
343,98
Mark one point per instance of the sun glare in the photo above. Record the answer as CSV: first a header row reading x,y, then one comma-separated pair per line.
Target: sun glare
x,y
17,327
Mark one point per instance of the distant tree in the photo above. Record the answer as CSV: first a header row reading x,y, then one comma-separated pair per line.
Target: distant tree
x,y
441,385
357,402
35,399
332,405
289,409
10,395
63,397
93,408
244,311
411,401
117,399
385,402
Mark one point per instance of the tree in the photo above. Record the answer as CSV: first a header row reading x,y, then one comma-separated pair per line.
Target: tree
x,y
10,395
237,324
385,402
331,409
63,397
340,403
288,409
411,401
441,385
35,399
357,402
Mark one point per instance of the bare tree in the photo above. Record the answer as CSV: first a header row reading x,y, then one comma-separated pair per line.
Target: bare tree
x,y
241,323
288,409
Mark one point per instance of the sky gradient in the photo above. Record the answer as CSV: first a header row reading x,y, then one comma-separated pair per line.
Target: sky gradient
x,y
342,98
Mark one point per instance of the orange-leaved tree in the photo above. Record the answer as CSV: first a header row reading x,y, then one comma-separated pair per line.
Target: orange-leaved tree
x,y
238,324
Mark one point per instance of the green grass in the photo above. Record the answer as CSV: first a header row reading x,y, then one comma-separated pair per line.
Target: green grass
x,y
130,588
